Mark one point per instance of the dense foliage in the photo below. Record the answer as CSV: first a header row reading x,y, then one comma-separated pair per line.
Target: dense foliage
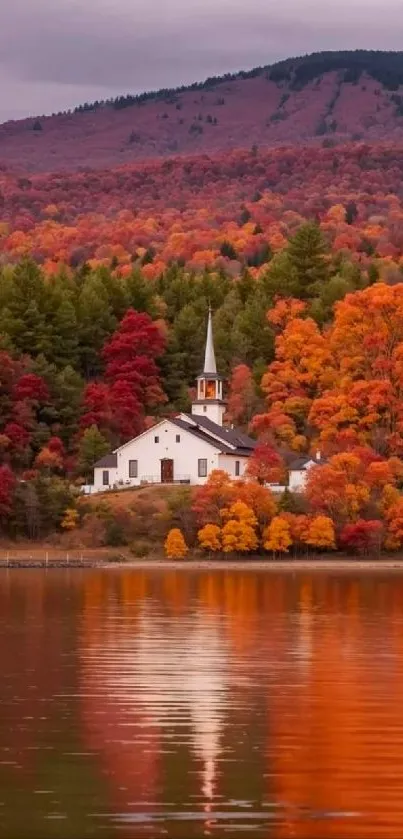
x,y
215,212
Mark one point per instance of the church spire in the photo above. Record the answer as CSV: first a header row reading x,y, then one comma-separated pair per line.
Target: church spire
x,y
209,402
209,356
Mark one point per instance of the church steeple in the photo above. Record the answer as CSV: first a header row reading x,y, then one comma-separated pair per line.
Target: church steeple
x,y
209,402
209,355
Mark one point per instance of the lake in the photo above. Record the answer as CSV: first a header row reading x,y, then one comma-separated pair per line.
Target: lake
x,y
228,703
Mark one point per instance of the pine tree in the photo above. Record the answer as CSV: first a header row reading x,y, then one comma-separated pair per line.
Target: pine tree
x,y
95,323
307,256
65,335
92,447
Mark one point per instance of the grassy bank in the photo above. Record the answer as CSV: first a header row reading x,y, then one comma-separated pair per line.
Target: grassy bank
x,y
43,556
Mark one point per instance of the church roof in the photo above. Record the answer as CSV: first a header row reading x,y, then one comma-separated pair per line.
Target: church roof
x,y
202,435
302,462
230,437
109,461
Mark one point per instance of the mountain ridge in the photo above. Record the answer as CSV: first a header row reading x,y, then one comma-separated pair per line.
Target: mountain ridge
x,y
322,98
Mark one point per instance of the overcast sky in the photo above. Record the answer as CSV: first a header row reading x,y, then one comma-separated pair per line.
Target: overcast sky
x,y
55,54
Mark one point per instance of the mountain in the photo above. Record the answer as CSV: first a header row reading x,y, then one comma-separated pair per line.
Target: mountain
x,y
324,98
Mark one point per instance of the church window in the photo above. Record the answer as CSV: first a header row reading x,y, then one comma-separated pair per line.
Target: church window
x,y
133,468
105,478
202,467
178,438
237,468
156,439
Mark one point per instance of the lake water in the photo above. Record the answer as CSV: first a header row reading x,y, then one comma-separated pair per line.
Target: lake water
x,y
200,704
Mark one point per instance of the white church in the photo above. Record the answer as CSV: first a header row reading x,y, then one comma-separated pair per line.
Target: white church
x,y
184,449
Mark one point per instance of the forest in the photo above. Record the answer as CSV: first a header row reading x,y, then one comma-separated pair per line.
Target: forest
x,y
217,212
106,276
311,346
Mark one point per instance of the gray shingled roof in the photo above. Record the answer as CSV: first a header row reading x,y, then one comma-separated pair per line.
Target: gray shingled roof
x,y
201,435
301,462
233,436
109,461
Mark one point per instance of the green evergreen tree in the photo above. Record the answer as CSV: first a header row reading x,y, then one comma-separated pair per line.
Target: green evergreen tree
x,y
307,256
68,388
96,322
92,447
65,334
141,294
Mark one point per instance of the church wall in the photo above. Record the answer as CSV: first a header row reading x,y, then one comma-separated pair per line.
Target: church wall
x,y
148,454
227,462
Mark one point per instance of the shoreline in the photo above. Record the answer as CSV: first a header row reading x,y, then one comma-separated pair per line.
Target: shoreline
x,y
294,566
287,565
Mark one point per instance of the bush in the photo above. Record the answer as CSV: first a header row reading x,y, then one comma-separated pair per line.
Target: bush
x,y
114,533
140,549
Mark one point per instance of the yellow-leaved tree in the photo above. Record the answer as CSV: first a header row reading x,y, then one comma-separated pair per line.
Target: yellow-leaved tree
x,y
239,531
277,536
210,537
321,533
175,545
70,519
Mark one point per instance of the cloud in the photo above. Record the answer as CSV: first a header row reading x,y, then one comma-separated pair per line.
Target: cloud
x,y
56,54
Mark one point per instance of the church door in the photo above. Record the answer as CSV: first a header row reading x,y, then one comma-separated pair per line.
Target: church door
x,y
167,471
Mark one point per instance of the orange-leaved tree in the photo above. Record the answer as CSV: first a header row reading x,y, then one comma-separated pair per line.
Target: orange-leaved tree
x,y
239,530
209,537
209,499
175,545
352,484
321,533
342,381
277,536
219,492
394,526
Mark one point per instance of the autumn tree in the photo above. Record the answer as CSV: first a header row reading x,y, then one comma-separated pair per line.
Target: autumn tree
x,y
242,397
321,533
238,537
7,489
175,545
209,537
70,519
362,536
210,498
265,465
277,536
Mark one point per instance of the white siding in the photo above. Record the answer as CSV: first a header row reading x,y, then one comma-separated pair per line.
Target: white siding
x,y
298,477
211,410
185,454
98,479
227,462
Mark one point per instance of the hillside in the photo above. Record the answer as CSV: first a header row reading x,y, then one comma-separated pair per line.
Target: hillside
x,y
220,211
322,98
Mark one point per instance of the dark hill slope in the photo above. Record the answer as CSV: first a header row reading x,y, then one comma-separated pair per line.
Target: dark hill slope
x,y
322,98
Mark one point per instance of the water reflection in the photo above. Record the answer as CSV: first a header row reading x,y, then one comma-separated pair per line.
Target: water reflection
x,y
196,704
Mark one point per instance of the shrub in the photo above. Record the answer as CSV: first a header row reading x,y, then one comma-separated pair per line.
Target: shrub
x,y
175,545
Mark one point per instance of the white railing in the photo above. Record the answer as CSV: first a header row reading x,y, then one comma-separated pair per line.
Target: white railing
x,y
156,479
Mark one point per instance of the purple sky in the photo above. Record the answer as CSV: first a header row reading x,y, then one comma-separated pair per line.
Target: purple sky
x,y
55,54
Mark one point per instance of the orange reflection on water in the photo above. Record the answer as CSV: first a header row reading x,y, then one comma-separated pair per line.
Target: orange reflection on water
x,y
263,703
202,649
